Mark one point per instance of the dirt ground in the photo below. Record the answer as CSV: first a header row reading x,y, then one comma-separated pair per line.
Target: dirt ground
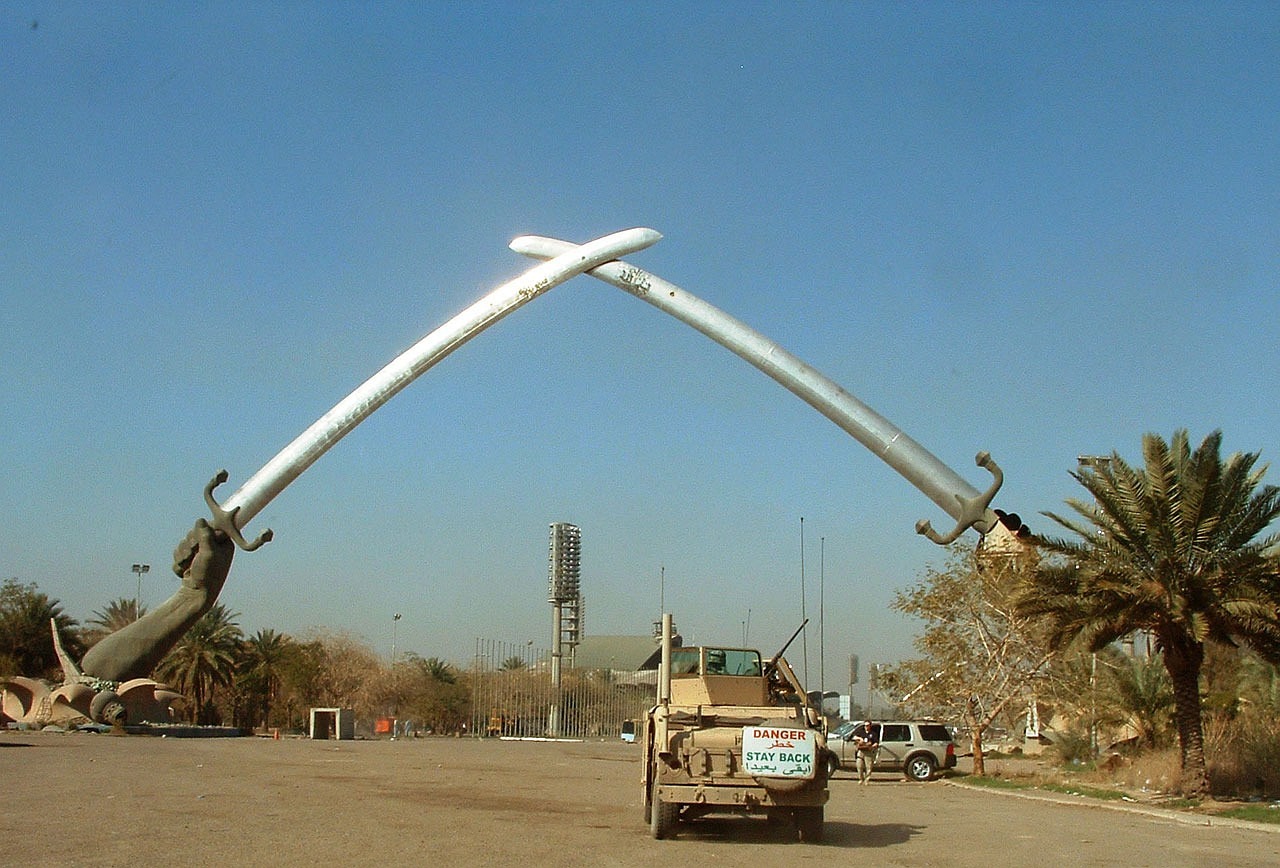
x,y
81,799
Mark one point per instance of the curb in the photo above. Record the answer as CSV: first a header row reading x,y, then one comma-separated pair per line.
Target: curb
x,y
1168,815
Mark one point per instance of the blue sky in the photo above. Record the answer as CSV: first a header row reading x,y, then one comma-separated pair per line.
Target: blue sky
x,y
1040,230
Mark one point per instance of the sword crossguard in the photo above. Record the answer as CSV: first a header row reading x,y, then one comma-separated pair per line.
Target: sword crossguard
x,y
973,510
225,520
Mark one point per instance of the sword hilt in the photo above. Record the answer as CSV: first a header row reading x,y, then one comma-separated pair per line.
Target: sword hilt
x,y
225,520
973,510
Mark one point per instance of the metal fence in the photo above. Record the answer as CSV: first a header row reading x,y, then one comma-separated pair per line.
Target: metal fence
x,y
512,695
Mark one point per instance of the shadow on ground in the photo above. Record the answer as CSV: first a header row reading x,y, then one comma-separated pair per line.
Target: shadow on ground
x,y
864,836
755,830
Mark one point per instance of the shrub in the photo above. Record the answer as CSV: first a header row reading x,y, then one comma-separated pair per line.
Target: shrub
x,y
1152,771
1244,755
1073,747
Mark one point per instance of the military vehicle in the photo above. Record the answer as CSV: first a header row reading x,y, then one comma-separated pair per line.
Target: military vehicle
x,y
732,732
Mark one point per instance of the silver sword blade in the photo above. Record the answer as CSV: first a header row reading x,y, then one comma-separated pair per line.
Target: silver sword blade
x,y
941,484
290,462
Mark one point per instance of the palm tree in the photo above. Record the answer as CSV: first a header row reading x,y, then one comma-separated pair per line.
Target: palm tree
x,y
204,659
116,614
1259,685
1173,548
436,669
26,643
1141,693
261,666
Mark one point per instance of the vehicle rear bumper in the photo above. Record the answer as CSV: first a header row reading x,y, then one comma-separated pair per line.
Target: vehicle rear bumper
x,y
740,796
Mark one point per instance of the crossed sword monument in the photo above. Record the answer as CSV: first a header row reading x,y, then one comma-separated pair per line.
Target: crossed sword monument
x,y
204,558
601,258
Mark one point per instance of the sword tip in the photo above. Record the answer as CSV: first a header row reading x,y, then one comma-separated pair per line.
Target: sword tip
x,y
641,236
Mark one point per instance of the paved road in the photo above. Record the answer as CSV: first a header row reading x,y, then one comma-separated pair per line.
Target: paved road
x,y
102,800
939,824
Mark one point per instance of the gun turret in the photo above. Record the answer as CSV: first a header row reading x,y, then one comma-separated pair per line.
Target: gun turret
x,y
772,665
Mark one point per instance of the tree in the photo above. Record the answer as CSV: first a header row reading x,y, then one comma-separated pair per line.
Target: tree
x,y
26,642
435,669
334,669
262,660
203,660
981,657
299,682
1174,548
1139,688
116,614
1259,686
431,692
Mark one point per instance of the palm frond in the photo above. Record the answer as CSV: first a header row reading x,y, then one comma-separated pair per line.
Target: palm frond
x,y
1163,545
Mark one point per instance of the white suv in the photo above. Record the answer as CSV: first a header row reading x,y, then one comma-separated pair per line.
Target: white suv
x,y
917,749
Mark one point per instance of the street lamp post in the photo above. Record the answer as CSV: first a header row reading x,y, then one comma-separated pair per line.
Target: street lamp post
x,y
1094,462
395,685
139,570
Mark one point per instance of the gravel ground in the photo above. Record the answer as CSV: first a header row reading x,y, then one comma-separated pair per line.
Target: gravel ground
x,y
81,799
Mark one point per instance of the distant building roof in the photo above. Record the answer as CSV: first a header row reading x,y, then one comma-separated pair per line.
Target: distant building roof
x,y
620,653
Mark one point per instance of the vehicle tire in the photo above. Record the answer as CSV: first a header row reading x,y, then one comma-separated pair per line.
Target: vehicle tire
x,y
663,816
809,822
919,767
833,765
648,791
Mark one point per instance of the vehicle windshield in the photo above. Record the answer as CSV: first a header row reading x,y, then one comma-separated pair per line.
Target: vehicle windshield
x,y
684,661
719,661
732,661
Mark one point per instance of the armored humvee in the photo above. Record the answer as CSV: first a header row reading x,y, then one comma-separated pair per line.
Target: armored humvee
x,y
732,732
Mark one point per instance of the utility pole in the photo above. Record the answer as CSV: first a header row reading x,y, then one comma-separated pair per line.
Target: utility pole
x,y
822,623
804,638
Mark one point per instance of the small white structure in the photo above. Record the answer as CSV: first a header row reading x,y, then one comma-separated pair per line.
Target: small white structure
x,y
337,723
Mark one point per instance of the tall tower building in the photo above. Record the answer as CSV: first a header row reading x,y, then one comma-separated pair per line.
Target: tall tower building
x,y
564,590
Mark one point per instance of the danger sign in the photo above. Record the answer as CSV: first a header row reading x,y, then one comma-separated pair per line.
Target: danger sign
x,y
778,752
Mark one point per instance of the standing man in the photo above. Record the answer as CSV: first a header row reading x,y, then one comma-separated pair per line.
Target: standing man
x,y
866,739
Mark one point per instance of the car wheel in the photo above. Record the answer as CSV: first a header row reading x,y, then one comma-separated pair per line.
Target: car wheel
x,y
920,767
833,765
663,815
